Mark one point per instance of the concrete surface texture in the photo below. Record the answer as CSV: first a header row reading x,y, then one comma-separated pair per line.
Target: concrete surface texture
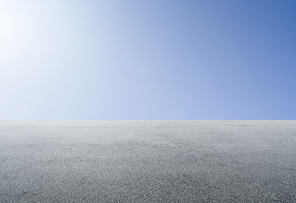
x,y
147,161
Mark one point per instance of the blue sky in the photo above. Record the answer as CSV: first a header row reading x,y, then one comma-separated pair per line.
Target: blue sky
x,y
147,60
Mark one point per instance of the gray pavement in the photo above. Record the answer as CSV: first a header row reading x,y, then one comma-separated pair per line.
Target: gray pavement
x,y
147,161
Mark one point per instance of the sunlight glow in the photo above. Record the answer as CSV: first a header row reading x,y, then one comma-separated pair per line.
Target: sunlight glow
x,y
12,31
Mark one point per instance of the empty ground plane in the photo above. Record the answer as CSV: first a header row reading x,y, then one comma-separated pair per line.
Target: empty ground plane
x,y
147,161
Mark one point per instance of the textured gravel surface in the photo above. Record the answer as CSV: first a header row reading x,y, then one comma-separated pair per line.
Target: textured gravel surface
x,y
147,161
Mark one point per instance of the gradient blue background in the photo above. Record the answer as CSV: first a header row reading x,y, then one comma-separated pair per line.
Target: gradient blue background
x,y
147,59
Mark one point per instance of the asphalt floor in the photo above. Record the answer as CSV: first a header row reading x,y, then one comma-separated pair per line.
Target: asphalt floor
x,y
147,161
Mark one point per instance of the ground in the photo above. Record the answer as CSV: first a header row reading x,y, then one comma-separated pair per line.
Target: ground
x,y
147,161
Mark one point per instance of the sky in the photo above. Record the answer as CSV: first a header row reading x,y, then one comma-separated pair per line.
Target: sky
x,y
147,60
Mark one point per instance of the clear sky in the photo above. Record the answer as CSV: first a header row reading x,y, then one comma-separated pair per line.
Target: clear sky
x,y
147,59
